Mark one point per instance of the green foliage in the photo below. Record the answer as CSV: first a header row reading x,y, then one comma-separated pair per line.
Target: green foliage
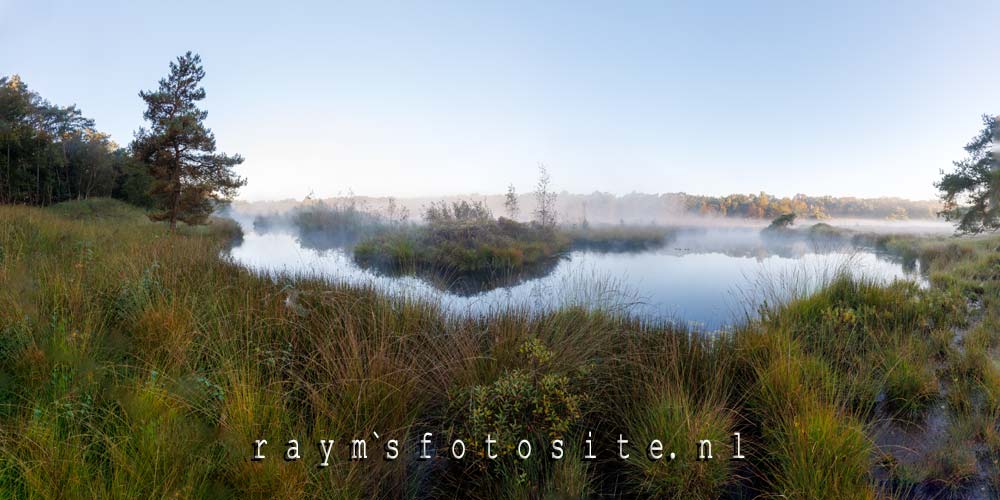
x,y
971,192
322,225
190,178
823,230
522,403
545,200
782,222
511,204
134,183
463,241
951,469
50,153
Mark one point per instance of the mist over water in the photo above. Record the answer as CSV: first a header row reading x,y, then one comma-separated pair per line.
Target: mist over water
x,y
707,277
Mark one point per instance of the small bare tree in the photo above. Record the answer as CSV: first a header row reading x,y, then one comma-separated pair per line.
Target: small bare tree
x,y
510,203
545,209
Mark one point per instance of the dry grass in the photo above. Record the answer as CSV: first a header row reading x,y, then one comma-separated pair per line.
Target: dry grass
x,y
137,363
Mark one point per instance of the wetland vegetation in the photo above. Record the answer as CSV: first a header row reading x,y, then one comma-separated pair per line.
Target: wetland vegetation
x,y
149,372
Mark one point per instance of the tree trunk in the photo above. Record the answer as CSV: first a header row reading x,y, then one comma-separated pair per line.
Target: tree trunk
x,y
10,182
177,189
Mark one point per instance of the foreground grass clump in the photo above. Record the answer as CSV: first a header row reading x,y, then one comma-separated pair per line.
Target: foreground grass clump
x,y
911,384
681,423
135,362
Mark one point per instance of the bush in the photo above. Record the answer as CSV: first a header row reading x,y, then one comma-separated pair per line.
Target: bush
x,y
531,402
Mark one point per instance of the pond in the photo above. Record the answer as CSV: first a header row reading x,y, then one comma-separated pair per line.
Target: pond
x,y
707,278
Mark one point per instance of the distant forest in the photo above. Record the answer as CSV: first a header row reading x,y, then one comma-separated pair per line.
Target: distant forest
x,y
639,208
765,206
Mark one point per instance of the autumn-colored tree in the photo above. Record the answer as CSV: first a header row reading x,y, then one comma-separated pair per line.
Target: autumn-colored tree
x,y
190,178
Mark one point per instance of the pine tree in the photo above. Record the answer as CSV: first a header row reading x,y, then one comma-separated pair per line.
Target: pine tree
x,y
971,193
189,177
510,203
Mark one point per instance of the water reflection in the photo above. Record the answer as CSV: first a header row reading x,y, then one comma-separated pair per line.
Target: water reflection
x,y
705,277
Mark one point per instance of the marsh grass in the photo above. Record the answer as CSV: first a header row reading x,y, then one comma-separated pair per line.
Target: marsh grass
x,y
468,246
618,238
135,362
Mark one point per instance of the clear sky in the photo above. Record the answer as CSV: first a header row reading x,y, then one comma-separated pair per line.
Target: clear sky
x,y
424,98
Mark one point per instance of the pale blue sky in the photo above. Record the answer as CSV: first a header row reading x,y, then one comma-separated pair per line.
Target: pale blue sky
x,y
405,98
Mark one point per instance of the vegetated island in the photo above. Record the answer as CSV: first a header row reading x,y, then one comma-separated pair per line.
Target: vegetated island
x,y
459,246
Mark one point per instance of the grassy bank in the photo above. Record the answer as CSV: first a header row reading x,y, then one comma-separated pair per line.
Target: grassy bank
x,y
137,363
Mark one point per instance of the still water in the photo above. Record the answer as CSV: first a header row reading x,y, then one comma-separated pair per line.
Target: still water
x,y
707,278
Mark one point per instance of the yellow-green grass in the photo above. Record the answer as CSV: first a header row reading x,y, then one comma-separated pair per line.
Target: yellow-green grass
x,y
136,362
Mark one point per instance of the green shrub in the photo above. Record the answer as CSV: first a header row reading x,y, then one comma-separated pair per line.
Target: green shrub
x,y
530,402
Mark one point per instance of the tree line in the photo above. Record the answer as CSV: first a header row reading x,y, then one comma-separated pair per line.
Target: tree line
x,y
51,153
767,206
